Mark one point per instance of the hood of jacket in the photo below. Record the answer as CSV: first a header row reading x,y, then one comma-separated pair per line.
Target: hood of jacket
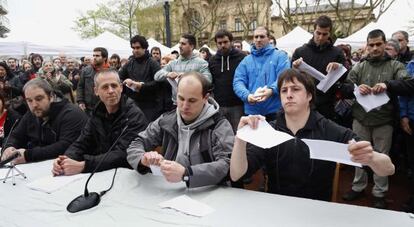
x,y
222,57
322,47
143,57
266,50
186,131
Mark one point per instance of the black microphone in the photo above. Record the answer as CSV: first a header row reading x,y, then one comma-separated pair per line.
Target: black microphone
x,y
8,136
89,200
9,159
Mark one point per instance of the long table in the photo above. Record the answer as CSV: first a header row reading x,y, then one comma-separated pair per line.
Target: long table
x,y
134,200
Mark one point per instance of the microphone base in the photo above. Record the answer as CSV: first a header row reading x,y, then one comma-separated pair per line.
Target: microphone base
x,y
13,173
83,202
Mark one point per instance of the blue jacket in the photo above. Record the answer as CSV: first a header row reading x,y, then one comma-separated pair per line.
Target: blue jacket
x,y
261,68
407,102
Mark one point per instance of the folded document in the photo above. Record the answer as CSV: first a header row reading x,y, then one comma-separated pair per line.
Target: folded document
x,y
50,183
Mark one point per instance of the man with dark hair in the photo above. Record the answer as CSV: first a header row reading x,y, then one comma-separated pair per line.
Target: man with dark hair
x,y
85,95
115,62
37,62
187,62
138,77
222,67
196,141
405,55
272,41
256,76
375,125
320,53
50,126
237,44
114,115
14,67
156,54
72,72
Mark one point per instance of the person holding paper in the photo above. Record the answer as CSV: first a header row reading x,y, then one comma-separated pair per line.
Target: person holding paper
x,y
288,166
114,115
138,77
256,76
196,140
375,125
321,54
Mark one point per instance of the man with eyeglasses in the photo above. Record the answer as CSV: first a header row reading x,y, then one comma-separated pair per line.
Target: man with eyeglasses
x,y
405,55
256,76
85,95
48,129
377,124
320,53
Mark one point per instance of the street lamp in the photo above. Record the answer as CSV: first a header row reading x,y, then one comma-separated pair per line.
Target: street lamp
x,y
167,21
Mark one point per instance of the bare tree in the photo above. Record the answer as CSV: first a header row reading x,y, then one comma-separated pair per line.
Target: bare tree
x,y
249,12
297,12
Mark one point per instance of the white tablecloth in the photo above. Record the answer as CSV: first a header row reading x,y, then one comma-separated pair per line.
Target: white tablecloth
x,y
134,199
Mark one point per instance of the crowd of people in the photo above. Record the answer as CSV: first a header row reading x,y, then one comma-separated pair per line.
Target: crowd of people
x,y
180,111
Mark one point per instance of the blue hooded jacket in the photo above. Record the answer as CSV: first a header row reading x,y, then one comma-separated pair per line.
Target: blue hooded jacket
x,y
261,68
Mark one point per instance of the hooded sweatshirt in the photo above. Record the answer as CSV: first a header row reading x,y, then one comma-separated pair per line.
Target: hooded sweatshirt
x,y
186,130
261,68
222,67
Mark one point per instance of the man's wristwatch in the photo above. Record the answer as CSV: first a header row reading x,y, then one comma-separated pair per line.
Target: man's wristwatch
x,y
186,176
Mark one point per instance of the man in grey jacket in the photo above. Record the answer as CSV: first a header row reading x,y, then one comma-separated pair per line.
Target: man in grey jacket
x,y
196,141
187,62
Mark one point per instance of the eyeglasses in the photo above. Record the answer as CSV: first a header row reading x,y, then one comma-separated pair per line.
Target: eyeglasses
x,y
259,36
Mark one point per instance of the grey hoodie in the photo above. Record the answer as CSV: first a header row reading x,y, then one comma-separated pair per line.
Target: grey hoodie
x,y
183,145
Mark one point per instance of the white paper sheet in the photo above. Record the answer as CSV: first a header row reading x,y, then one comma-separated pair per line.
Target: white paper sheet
x,y
331,78
156,170
311,71
265,136
50,184
371,101
188,206
330,151
173,83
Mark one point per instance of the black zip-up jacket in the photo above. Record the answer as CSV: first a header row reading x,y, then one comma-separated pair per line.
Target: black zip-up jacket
x,y
142,69
100,133
48,139
289,168
319,57
222,68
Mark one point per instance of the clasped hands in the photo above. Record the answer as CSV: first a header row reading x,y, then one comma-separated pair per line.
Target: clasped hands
x,y
172,171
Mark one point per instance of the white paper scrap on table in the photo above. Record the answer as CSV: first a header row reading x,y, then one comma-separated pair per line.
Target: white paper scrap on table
x,y
311,71
330,151
156,170
370,101
331,78
265,136
50,183
188,206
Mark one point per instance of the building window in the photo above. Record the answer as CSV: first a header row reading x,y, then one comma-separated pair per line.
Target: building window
x,y
238,27
223,24
253,25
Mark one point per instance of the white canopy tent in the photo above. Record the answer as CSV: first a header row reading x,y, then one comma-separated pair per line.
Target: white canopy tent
x,y
294,39
154,43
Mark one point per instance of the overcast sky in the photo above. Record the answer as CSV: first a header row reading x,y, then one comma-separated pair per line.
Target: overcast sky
x,y
50,21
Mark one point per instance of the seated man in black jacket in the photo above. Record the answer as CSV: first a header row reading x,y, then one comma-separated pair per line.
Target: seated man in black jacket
x,y
114,115
48,129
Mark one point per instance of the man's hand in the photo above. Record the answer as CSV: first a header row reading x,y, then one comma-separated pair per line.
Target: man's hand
x,y
297,63
173,75
364,89
57,170
8,152
332,66
264,94
362,152
82,106
379,88
77,77
252,99
20,159
251,120
71,167
405,125
151,158
172,171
